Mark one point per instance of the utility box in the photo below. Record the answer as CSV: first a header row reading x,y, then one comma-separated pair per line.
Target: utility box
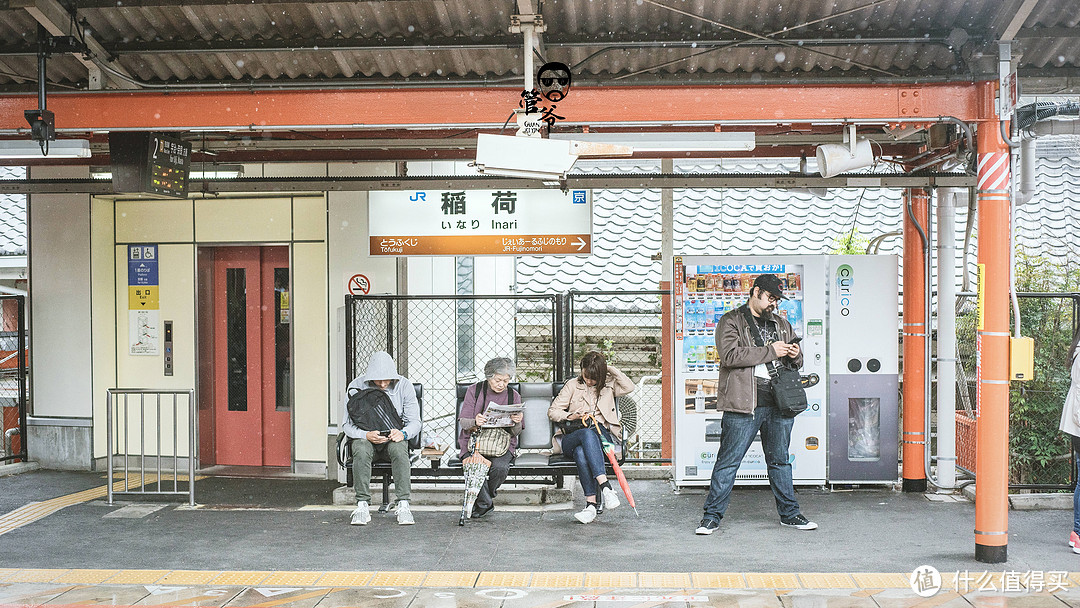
x,y
1022,358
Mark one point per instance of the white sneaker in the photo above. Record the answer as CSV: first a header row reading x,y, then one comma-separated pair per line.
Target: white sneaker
x,y
610,498
404,515
361,515
587,514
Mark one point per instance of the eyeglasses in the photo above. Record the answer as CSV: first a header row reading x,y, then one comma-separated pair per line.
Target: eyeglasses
x,y
547,81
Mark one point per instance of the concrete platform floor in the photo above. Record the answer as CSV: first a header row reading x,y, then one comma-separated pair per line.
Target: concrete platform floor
x,y
281,542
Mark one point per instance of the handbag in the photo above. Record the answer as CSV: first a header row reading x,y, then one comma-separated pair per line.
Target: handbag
x,y
569,426
492,442
786,382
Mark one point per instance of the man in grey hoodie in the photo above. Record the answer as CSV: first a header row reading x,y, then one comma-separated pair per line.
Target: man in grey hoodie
x,y
382,374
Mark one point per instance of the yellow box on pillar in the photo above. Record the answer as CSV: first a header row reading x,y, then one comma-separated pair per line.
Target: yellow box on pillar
x,y
1021,358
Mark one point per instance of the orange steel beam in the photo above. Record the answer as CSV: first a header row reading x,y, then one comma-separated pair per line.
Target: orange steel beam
x,y
992,346
255,110
914,438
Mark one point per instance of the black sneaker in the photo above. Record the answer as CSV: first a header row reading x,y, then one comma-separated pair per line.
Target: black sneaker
x,y
799,522
707,526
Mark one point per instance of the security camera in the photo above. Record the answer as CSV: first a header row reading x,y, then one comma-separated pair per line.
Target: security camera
x,y
536,158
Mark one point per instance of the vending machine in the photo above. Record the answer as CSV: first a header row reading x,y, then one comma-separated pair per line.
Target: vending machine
x,y
706,287
863,369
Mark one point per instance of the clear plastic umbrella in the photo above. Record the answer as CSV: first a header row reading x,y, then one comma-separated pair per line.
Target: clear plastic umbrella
x,y
475,468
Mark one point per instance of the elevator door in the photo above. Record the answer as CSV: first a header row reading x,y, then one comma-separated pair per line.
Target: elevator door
x,y
252,398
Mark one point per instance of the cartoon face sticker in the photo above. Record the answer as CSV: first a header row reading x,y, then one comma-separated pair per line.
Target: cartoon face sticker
x,y
554,79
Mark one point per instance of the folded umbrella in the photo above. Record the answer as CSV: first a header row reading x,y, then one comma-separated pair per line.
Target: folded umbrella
x,y
475,469
609,451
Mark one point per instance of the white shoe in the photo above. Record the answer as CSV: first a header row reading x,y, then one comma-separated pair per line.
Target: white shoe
x,y
361,515
610,498
587,514
404,515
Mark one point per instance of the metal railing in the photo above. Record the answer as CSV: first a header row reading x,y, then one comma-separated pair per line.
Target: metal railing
x,y
13,355
120,444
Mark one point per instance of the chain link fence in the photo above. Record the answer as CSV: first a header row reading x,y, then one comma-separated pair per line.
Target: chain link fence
x,y
440,341
1039,455
626,327
13,361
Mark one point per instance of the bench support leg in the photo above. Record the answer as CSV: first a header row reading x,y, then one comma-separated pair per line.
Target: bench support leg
x,y
385,494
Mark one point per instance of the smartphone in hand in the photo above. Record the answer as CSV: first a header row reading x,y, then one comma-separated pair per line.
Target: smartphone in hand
x,y
384,433
796,340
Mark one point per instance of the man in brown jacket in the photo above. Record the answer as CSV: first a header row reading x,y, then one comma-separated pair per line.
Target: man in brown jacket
x,y
746,397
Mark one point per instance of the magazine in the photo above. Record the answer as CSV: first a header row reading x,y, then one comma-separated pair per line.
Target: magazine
x,y
498,416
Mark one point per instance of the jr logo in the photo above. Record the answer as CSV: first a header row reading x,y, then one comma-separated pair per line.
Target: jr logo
x,y
418,196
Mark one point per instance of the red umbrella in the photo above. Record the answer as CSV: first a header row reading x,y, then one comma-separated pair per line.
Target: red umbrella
x,y
609,451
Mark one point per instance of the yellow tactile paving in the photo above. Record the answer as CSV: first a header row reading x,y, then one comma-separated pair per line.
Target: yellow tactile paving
x,y
397,579
663,580
240,578
504,579
36,575
86,577
881,580
137,577
345,579
451,579
772,581
6,572
292,579
556,579
1074,578
189,577
718,580
824,580
594,580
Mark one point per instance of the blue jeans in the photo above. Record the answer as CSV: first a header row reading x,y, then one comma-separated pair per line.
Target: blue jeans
x,y
1076,492
737,433
583,445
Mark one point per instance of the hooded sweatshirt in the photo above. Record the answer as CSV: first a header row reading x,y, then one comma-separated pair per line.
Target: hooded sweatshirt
x,y
402,395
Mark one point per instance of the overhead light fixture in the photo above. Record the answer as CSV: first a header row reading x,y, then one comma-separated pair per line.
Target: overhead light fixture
x,y
536,158
206,172
834,159
670,142
58,148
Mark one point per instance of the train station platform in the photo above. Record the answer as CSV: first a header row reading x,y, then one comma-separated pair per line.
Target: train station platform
x,y
282,542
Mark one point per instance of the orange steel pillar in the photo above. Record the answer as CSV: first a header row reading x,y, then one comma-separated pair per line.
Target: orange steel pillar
x,y
992,347
914,439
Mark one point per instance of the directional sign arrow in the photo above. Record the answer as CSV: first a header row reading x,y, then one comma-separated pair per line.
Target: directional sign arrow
x,y
580,243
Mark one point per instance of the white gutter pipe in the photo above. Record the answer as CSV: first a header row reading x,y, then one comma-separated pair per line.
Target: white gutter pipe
x,y
1027,170
948,200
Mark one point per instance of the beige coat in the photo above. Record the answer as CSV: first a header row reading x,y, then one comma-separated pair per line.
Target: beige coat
x,y
577,397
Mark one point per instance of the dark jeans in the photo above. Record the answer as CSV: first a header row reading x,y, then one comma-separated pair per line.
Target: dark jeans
x,y
737,433
500,467
583,445
1076,492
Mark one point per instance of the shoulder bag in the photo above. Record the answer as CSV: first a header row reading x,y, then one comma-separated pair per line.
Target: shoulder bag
x,y
786,382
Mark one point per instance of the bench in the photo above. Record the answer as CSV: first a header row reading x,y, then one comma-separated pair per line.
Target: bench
x,y
380,467
534,458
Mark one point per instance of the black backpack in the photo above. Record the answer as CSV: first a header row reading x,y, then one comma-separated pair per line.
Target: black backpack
x,y
370,409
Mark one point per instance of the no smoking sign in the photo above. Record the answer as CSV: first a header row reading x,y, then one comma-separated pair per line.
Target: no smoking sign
x,y
359,285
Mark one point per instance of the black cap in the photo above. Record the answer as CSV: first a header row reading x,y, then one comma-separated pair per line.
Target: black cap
x,y
770,283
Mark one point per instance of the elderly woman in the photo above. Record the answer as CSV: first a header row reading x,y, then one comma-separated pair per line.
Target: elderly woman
x,y
495,388
585,398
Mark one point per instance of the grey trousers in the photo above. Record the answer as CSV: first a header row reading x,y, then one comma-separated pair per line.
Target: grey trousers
x,y
364,453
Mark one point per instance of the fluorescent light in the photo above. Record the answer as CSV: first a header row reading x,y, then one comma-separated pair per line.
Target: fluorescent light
x,y
535,157
60,148
670,142
207,172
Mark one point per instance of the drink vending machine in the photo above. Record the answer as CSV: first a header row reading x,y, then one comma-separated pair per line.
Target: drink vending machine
x,y
846,310
706,287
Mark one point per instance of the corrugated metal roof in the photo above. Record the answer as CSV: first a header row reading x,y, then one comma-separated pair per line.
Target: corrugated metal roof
x,y
632,41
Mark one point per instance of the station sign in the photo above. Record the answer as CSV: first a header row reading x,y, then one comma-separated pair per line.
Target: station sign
x,y
480,222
